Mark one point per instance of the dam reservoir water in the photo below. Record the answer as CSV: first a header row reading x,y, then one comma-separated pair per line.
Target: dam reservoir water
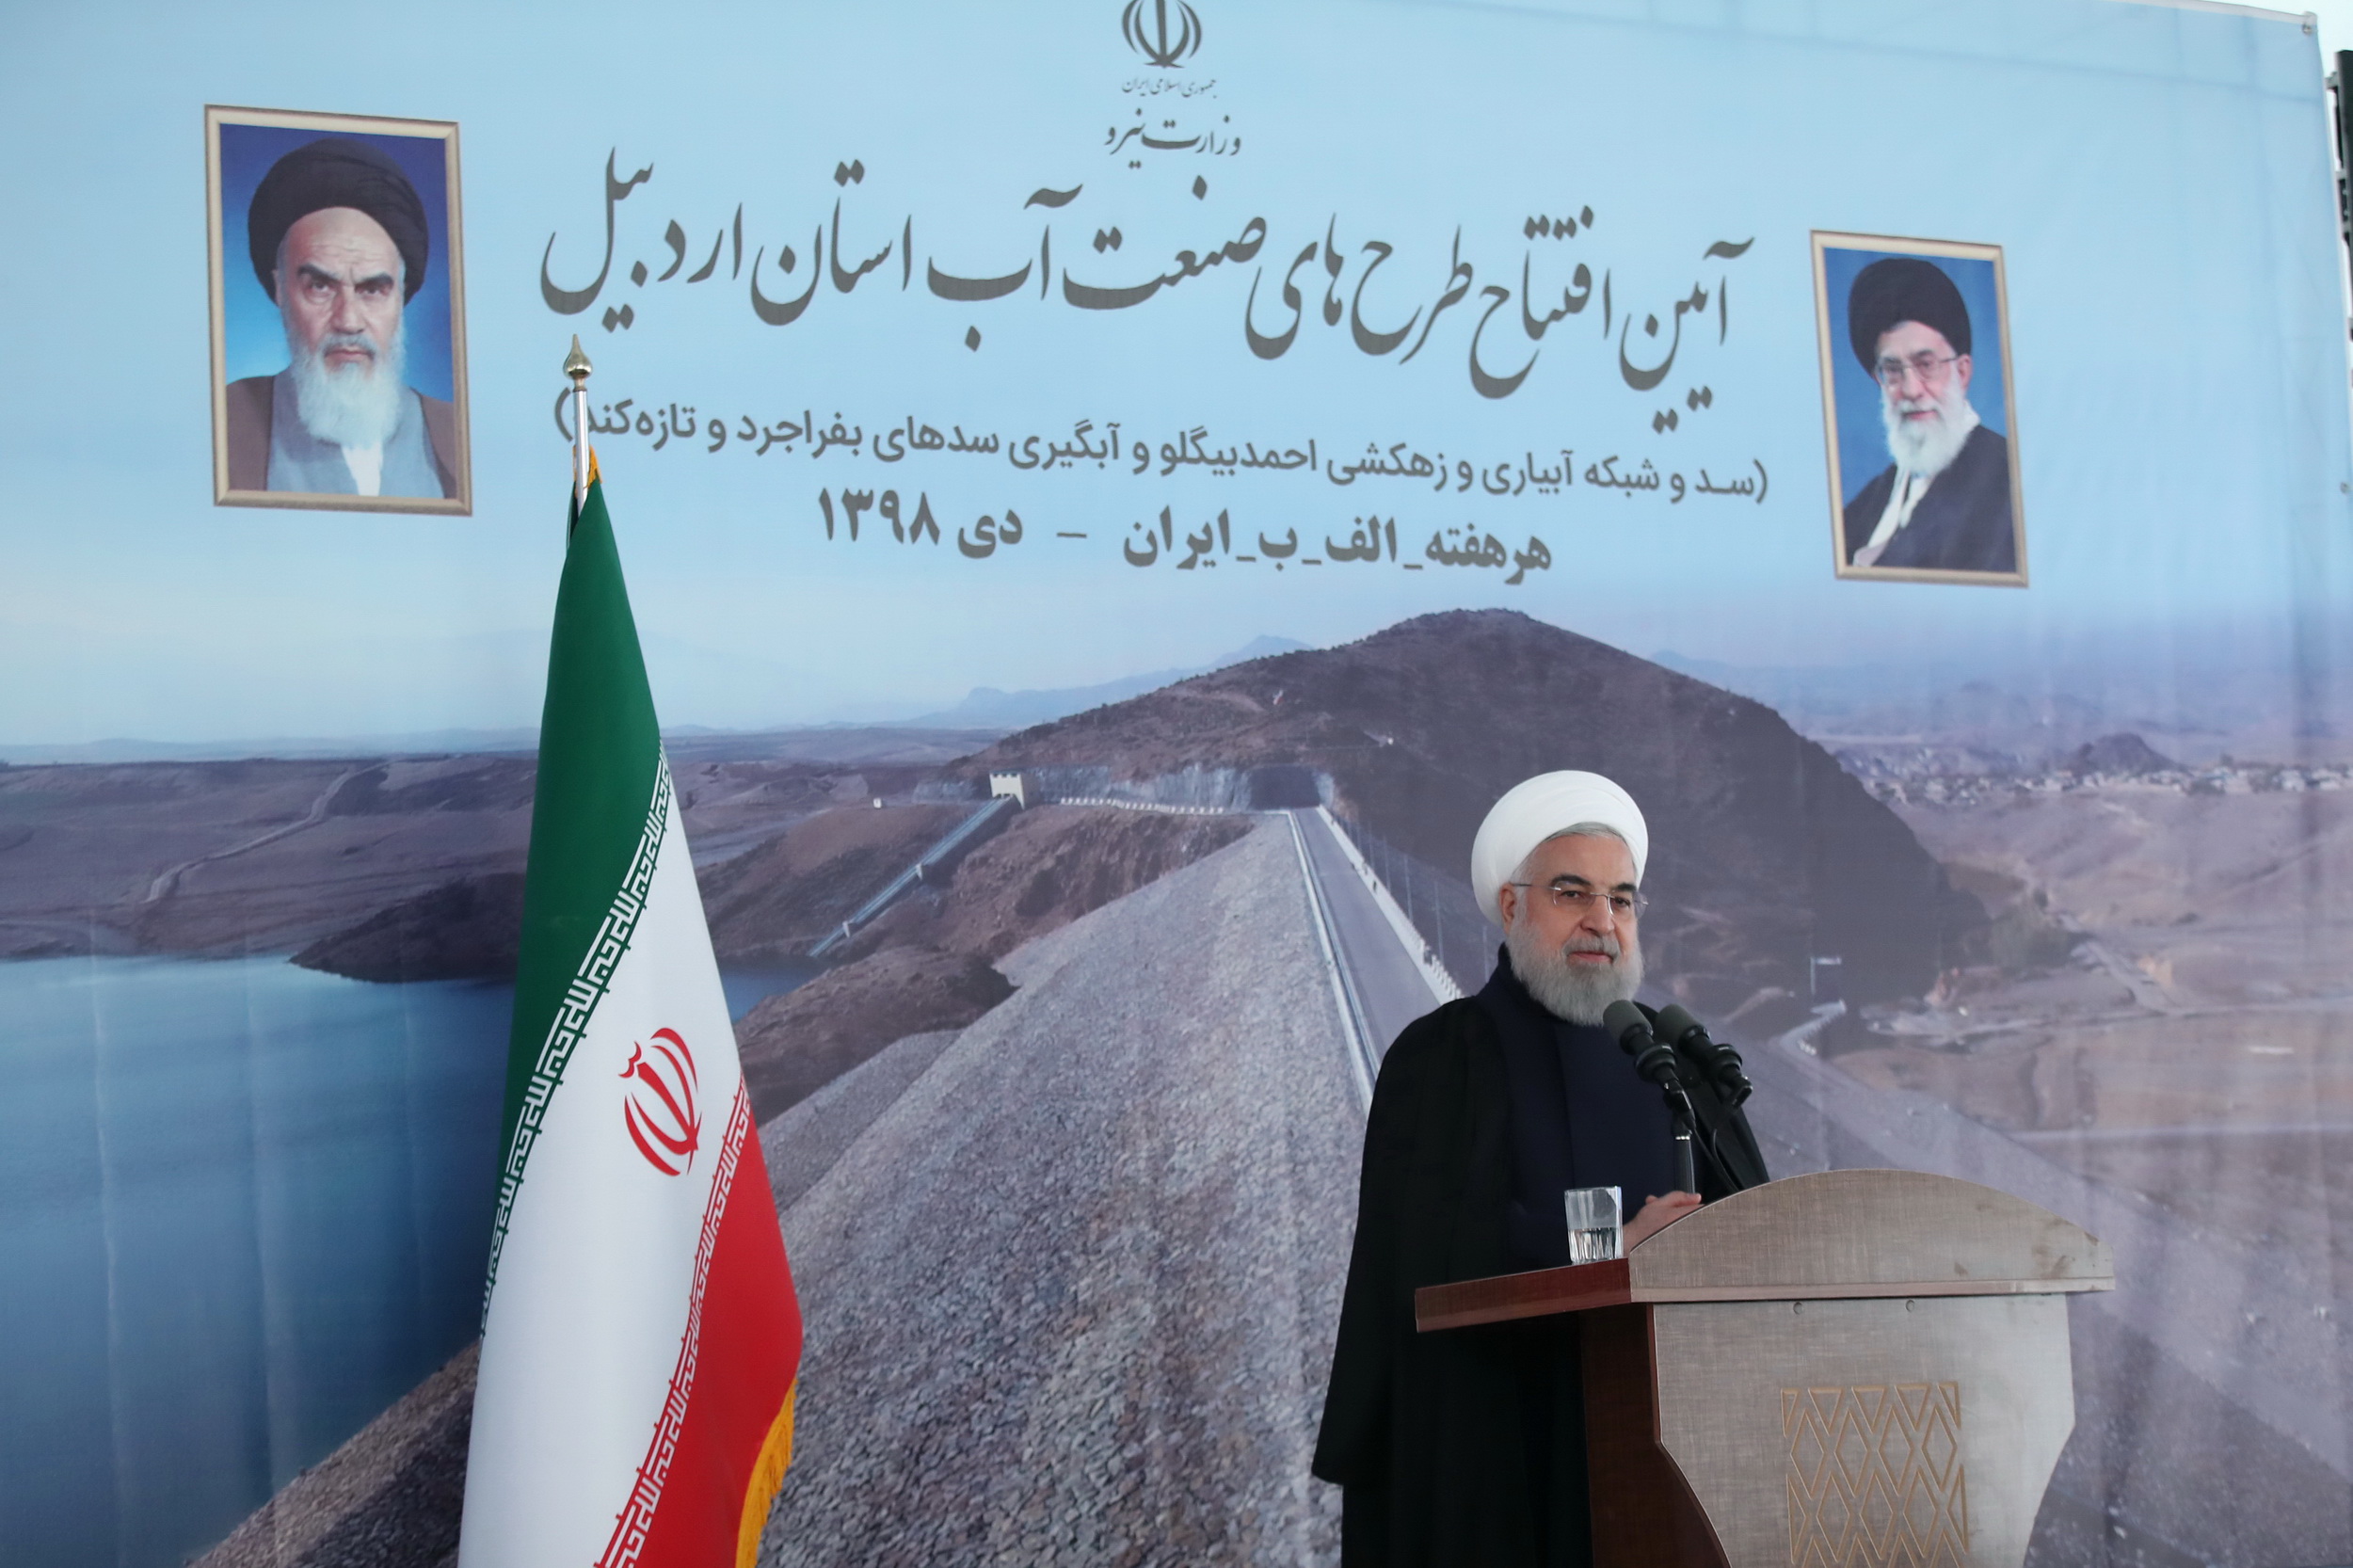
x,y
243,1207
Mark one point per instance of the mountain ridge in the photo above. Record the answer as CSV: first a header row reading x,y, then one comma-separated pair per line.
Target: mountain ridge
x,y
1767,854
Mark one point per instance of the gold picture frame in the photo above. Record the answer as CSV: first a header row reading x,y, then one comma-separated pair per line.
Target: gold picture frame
x,y
244,332
1978,562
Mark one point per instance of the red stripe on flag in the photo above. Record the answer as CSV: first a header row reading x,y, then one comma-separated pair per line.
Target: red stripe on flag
x,y
743,1337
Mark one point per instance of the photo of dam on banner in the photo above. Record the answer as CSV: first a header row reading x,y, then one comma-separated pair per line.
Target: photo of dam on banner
x,y
338,305
1919,415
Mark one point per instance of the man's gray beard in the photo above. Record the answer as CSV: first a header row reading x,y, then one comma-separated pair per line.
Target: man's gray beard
x,y
1929,447
356,405
1575,992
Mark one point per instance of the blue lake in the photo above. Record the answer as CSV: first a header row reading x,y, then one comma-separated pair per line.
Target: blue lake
x,y
243,1207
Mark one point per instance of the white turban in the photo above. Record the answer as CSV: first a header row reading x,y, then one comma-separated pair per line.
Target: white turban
x,y
1538,809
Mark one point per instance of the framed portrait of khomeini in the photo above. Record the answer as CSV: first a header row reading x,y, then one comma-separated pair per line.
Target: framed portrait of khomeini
x,y
339,313
1919,413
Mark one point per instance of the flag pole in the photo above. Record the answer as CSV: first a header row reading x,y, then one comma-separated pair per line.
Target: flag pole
x,y
576,366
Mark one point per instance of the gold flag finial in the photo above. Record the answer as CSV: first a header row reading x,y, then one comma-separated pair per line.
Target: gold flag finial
x,y
576,364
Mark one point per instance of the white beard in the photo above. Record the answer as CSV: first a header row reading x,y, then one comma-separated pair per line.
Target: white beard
x,y
1928,447
358,405
1577,993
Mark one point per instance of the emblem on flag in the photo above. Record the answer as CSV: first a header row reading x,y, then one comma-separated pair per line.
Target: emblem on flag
x,y
660,1108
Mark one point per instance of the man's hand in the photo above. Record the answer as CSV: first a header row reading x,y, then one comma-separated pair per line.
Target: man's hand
x,y
1657,1215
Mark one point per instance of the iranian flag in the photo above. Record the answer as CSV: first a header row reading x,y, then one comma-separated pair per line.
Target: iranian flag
x,y
640,1337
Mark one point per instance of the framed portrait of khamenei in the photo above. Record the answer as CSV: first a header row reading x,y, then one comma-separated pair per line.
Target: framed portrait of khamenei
x,y
1920,418
338,314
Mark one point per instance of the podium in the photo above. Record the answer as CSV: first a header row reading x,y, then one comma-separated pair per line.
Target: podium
x,y
1847,1369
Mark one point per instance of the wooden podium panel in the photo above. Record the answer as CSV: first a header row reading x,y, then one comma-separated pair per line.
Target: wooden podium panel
x,y
1847,1369
1645,1515
1816,1435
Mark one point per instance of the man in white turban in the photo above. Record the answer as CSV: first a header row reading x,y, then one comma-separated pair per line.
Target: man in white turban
x,y
1468,1446
1558,865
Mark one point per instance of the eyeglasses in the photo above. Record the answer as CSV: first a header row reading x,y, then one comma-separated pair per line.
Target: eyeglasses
x,y
1927,366
1581,900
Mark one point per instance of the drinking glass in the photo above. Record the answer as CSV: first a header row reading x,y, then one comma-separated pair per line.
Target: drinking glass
x,y
1595,1231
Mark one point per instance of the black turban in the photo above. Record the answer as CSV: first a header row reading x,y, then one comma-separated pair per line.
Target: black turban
x,y
336,173
1903,288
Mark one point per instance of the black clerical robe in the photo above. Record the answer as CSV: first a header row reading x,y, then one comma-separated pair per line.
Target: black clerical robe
x,y
1467,1446
1963,523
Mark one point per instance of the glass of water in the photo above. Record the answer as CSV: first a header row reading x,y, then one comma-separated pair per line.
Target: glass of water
x,y
1595,1231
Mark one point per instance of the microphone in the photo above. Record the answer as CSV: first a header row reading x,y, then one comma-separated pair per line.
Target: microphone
x,y
1720,1062
1654,1061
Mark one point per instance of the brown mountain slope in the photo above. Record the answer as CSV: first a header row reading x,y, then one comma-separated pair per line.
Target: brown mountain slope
x,y
926,964
772,902
1765,851
1050,866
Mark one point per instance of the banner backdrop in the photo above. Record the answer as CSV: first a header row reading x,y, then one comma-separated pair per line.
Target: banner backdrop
x,y
1242,441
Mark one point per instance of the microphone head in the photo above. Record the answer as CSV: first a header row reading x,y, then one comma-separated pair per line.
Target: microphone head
x,y
1720,1062
1625,1024
1653,1058
1676,1024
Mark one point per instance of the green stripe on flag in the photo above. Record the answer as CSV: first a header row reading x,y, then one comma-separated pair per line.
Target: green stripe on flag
x,y
600,780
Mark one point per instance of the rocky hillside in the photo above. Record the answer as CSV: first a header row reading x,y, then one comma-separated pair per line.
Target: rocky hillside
x,y
467,929
927,963
1049,867
773,901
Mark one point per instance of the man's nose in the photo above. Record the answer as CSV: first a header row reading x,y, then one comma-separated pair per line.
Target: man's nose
x,y
345,317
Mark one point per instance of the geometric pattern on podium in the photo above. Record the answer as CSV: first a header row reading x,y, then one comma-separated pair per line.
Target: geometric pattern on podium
x,y
1875,1477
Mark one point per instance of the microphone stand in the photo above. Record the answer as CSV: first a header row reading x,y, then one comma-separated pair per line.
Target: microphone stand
x,y
1655,1061
1686,1171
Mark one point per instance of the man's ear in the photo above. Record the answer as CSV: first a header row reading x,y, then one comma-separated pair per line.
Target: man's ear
x,y
1507,901
1961,370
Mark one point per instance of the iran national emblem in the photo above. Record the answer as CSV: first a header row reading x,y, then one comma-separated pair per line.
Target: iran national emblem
x,y
1158,37
660,1109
